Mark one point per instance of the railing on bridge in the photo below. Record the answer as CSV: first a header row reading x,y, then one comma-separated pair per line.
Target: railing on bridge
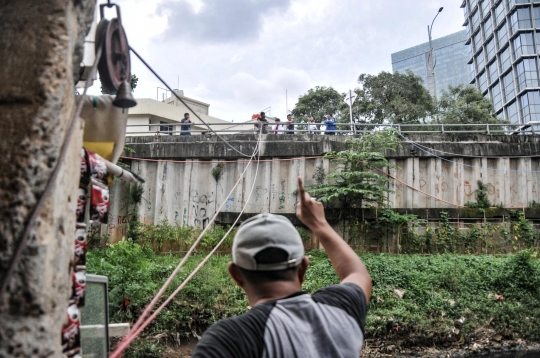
x,y
343,128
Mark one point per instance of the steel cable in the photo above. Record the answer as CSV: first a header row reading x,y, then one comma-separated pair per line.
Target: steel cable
x,y
183,102
192,248
468,165
137,330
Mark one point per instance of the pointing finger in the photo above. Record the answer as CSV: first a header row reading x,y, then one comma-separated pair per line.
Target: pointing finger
x,y
301,190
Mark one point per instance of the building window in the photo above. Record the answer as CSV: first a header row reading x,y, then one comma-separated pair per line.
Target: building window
x,y
475,20
523,45
496,95
490,49
508,87
486,5
526,73
505,59
536,12
482,81
499,13
165,127
514,2
520,19
512,113
488,27
477,39
502,35
493,72
473,4
480,61
473,70
530,106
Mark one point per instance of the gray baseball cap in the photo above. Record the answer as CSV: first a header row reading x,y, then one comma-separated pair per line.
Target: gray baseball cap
x,y
265,231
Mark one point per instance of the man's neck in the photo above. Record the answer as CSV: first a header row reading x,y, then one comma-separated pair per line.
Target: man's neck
x,y
271,291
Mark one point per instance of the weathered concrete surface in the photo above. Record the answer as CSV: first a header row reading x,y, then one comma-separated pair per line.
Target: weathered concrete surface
x,y
211,147
40,42
185,192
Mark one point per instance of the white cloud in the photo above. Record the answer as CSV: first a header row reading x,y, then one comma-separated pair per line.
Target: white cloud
x,y
246,62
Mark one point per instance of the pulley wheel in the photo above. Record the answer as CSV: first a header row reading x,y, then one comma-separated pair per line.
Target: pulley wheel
x,y
114,65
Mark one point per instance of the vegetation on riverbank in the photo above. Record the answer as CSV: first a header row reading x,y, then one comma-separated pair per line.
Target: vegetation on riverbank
x,y
423,300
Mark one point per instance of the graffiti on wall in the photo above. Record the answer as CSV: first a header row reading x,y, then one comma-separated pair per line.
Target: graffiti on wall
x,y
200,208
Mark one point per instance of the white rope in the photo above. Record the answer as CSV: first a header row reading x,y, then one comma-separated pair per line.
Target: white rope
x,y
147,310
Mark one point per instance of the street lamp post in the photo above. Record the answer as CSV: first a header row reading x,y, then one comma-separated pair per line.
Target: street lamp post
x,y
431,61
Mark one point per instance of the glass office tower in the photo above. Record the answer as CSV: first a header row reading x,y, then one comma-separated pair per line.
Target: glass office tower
x,y
451,57
504,57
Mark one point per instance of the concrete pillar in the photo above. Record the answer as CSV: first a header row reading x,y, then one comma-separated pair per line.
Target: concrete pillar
x,y
39,43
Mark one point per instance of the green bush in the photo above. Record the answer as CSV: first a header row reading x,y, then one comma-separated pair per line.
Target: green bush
x,y
445,297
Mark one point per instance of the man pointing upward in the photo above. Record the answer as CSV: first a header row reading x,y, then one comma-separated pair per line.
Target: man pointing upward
x,y
284,321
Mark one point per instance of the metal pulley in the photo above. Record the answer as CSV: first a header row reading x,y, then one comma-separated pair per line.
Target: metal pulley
x,y
114,66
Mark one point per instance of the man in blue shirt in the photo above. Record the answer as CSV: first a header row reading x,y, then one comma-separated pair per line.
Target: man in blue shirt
x,y
186,128
330,125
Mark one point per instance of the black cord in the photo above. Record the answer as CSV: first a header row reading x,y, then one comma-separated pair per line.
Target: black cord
x,y
183,102
21,243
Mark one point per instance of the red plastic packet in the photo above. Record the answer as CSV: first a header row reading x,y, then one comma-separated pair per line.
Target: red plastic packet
x,y
99,204
71,334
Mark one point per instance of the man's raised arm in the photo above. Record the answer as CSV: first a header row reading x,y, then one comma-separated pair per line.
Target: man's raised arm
x,y
347,264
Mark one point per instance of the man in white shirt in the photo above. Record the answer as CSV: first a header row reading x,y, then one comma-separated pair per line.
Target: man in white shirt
x,y
278,128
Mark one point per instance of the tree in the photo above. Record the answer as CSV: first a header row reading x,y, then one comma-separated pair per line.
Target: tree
x,y
393,98
318,102
466,105
133,82
359,182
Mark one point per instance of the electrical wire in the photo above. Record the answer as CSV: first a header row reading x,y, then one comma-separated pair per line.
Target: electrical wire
x,y
418,190
137,331
177,269
469,156
468,165
220,161
21,243
183,102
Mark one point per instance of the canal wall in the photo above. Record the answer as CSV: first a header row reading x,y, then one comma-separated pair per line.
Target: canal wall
x,y
433,172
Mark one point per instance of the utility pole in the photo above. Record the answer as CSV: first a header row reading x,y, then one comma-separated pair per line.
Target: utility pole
x,y
286,103
431,61
349,100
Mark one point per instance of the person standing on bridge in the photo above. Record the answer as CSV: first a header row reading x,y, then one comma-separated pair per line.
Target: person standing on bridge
x,y
278,127
312,126
185,128
262,122
284,321
330,125
289,124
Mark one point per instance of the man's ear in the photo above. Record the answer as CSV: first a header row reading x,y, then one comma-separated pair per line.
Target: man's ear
x,y
302,269
235,274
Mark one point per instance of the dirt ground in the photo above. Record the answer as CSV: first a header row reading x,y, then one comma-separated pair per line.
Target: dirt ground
x,y
378,349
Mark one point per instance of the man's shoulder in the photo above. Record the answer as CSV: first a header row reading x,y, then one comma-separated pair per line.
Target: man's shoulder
x,y
348,297
228,336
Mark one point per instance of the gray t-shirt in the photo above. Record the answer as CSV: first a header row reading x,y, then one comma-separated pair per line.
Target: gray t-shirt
x,y
329,323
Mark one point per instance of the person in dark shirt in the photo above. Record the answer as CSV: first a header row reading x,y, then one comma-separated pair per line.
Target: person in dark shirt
x,y
284,321
185,129
262,122
289,124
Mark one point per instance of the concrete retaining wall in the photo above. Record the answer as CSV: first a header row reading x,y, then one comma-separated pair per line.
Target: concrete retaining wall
x,y
186,193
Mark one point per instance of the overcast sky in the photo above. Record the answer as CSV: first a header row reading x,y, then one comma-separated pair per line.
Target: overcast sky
x,y
242,55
